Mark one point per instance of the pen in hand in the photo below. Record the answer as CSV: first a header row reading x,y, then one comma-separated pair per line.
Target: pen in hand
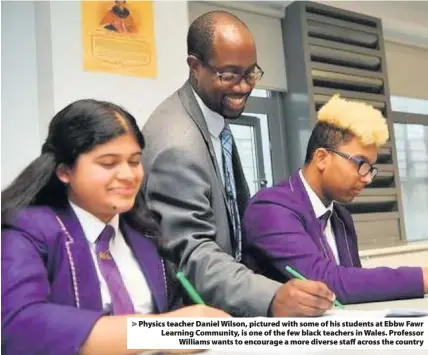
x,y
191,291
299,276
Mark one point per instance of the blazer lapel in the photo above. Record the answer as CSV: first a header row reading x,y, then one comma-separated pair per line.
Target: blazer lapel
x,y
341,236
299,190
81,259
191,106
314,227
242,190
146,253
306,209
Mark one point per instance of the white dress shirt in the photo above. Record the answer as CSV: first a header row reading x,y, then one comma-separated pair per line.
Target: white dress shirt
x,y
319,210
129,269
215,123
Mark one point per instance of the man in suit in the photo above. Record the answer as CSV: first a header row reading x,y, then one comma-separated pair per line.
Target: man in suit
x,y
300,221
194,179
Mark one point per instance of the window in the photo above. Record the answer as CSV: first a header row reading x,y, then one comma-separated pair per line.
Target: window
x,y
411,140
265,138
260,93
259,136
244,135
409,105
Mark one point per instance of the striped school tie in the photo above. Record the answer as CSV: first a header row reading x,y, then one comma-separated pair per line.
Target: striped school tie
x,y
120,299
226,139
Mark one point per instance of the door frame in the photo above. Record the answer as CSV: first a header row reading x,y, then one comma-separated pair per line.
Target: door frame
x,y
254,123
272,106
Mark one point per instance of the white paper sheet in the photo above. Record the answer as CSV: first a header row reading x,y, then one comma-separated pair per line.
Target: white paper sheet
x,y
349,313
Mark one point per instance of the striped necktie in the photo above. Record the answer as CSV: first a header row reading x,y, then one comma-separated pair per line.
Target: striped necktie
x,y
120,299
323,220
226,139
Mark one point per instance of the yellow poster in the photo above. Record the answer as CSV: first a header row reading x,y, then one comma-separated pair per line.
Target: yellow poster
x,y
118,37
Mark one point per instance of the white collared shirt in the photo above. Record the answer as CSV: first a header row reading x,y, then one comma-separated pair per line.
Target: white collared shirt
x,y
215,123
319,210
129,269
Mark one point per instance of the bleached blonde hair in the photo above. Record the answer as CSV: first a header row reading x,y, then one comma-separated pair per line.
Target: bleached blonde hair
x,y
360,119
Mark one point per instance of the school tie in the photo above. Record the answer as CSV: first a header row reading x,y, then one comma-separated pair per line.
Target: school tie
x,y
226,139
323,219
120,299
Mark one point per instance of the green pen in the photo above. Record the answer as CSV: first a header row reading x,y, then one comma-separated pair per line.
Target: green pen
x,y
191,291
299,276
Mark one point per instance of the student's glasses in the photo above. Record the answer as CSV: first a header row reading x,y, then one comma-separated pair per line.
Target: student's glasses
x,y
364,168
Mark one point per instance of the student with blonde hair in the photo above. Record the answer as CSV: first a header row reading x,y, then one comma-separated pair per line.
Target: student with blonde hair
x,y
300,222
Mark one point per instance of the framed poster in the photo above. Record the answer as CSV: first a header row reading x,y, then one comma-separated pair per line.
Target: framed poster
x,y
118,37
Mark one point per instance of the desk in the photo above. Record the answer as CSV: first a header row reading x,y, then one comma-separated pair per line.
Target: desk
x,y
315,352
417,303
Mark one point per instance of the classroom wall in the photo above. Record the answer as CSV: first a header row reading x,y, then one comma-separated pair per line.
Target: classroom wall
x,y
19,107
138,95
40,80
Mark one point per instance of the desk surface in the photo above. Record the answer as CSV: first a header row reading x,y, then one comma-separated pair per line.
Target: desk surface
x,y
418,303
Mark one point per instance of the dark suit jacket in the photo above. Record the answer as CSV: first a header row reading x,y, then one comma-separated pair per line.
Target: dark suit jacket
x,y
184,187
282,229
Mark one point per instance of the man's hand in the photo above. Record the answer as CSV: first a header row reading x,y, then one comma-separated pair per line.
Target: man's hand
x,y
298,298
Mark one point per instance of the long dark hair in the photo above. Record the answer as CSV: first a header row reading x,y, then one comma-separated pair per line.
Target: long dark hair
x,y
76,129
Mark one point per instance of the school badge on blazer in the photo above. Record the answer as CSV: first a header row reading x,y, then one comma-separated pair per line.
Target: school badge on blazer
x,y
104,255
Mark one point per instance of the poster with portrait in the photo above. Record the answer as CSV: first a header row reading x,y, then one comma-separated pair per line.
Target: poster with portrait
x,y
118,37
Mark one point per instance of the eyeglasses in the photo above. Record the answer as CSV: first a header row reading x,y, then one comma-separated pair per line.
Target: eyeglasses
x,y
364,168
251,76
